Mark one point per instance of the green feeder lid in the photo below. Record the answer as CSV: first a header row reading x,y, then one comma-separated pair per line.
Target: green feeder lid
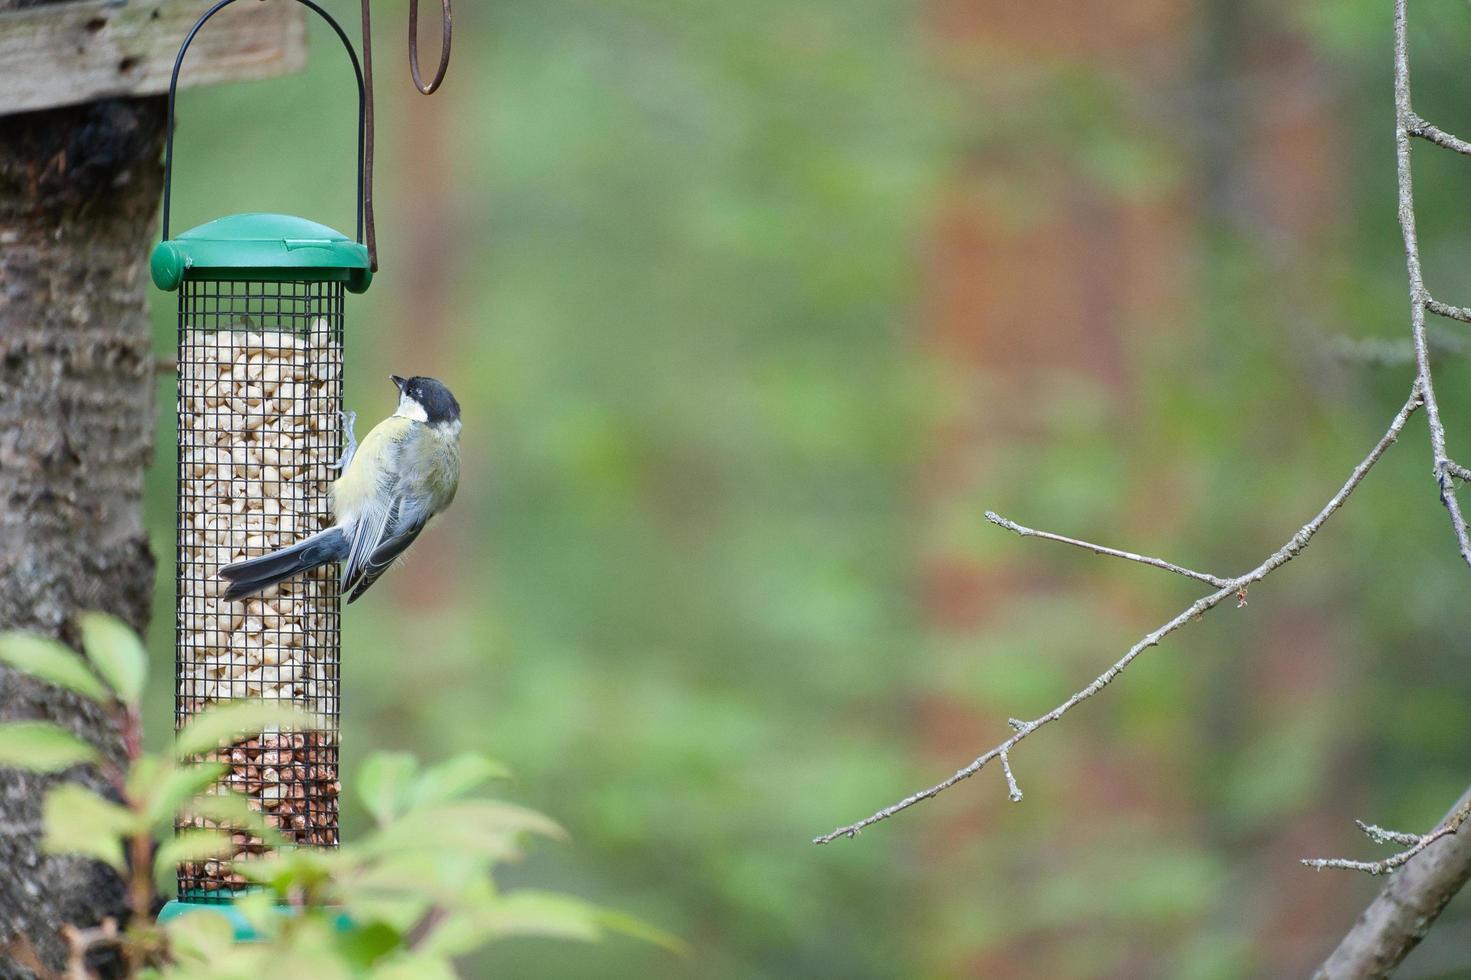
x,y
256,246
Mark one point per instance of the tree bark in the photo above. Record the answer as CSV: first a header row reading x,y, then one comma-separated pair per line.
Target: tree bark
x,y
79,188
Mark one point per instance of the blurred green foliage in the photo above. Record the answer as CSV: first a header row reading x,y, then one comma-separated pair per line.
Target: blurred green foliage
x,y
672,257
402,901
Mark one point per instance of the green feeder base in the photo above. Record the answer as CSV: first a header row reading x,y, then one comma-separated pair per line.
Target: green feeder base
x,y
244,932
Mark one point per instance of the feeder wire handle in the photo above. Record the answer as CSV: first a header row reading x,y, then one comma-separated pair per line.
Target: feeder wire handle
x,y
366,233
364,132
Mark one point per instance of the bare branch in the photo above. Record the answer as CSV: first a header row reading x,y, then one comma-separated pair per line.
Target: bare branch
x,y
1438,864
1387,352
1231,587
1099,549
1406,125
1407,906
1381,836
1415,126
1013,790
433,916
1447,310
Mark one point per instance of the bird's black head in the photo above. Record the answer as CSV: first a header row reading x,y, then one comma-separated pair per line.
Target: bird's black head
x,y
431,396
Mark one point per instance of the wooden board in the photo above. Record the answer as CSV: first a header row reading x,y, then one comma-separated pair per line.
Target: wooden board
x,y
80,50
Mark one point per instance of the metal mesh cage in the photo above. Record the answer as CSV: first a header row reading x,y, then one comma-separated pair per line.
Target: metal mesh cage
x,y
260,395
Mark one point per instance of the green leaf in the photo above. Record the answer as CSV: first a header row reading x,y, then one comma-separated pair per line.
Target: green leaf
x,y
239,720
399,910
78,821
534,913
116,652
190,845
199,938
528,913
436,876
176,787
399,888
42,747
260,911
305,869
474,828
621,922
453,778
493,816
415,966
384,784
233,810
51,662
366,944
145,774
459,930
521,913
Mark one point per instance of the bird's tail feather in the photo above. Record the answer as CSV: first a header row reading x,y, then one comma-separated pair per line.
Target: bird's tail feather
x,y
254,575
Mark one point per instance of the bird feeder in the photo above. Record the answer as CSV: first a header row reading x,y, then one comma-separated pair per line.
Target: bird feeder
x,y
261,302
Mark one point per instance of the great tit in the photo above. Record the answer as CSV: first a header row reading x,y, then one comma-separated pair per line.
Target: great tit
x,y
405,472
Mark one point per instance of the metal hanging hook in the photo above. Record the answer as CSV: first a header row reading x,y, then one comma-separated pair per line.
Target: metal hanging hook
x,y
448,24
446,20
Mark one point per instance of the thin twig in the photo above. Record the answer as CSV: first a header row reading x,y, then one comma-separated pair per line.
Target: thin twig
x,y
1447,310
1014,791
1406,124
1417,844
1371,351
1099,549
1415,126
81,941
1379,835
1231,587
1396,352
428,922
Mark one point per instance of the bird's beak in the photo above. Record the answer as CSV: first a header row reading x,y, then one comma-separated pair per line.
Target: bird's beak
x,y
397,381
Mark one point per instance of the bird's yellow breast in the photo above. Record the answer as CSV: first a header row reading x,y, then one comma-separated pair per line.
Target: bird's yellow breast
x,y
376,455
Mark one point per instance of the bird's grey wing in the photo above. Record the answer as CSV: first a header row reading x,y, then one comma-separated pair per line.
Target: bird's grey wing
x,y
375,501
384,556
384,531
369,531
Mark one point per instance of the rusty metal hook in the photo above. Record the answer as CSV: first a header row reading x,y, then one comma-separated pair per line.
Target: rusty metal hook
x,y
367,163
446,19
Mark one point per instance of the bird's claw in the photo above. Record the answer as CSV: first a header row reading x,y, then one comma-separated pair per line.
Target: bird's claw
x,y
348,419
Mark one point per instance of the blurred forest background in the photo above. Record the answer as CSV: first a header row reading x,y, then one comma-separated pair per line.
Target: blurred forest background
x,y
754,307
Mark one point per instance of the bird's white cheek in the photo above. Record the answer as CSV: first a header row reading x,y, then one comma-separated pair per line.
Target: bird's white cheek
x,y
410,409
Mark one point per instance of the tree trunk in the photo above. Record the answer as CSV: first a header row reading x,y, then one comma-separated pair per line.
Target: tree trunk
x,y
79,188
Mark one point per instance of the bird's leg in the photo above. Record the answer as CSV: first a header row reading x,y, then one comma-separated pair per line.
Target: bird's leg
x,y
349,419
